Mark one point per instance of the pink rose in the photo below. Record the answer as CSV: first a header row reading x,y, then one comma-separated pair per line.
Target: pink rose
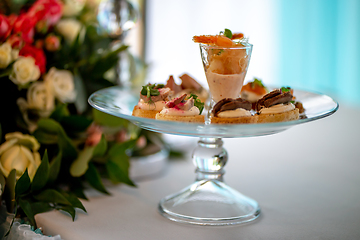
x,y
94,135
49,11
16,41
37,54
24,25
52,43
5,28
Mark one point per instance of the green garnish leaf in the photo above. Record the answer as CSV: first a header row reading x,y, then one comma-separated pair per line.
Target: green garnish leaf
x,y
228,33
143,90
148,92
258,82
285,89
197,102
159,86
151,90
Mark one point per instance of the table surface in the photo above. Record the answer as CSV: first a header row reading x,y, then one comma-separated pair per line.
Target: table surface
x,y
305,179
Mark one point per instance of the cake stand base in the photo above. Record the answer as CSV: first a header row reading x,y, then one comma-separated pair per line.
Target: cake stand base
x,y
209,201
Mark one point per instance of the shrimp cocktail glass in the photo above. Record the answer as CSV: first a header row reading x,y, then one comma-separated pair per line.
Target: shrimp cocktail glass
x,y
226,59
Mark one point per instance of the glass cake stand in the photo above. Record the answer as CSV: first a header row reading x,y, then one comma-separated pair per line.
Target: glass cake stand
x,y
209,201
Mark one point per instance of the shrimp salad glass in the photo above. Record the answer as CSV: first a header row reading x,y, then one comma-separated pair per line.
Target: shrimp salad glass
x,y
226,59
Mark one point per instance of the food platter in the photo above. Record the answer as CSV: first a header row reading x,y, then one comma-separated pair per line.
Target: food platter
x,y
209,201
120,102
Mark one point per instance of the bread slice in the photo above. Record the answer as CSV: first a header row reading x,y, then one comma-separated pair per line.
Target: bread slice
x,y
278,117
195,118
138,112
232,120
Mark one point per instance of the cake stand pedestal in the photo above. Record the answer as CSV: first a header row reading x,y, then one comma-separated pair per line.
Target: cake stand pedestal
x,y
209,201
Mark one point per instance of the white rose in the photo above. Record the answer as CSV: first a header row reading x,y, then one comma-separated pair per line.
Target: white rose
x,y
69,28
24,71
5,55
19,152
61,83
93,3
40,97
72,7
14,54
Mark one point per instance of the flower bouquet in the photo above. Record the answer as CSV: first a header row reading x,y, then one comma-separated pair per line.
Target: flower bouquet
x,y
52,57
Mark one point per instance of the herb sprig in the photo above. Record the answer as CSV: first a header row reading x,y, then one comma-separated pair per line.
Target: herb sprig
x,y
197,102
285,89
227,33
151,90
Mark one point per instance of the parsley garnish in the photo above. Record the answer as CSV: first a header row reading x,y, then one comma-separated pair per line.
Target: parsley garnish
x,y
197,102
257,82
285,89
151,90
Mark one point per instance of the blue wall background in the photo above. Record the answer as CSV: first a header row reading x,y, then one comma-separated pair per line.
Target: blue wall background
x,y
320,47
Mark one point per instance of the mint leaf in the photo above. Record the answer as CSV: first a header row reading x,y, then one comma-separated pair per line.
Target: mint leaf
x,y
228,33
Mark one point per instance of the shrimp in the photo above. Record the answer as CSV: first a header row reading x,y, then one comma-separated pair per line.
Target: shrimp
x,y
237,35
218,40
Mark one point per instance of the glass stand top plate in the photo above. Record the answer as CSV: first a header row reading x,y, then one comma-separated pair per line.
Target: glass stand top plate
x,y
120,102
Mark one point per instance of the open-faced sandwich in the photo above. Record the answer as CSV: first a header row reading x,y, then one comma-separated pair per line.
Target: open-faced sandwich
x,y
189,86
277,106
229,110
153,98
253,91
183,109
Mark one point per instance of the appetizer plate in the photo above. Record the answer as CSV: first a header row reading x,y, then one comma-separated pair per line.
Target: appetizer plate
x,y
120,102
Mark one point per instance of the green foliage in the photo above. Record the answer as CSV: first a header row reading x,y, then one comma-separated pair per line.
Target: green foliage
x,y
50,131
60,111
67,160
23,184
54,169
2,183
26,207
94,179
52,196
100,148
80,165
105,119
9,191
118,163
42,174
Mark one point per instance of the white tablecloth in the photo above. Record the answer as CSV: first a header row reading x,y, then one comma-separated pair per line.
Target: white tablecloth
x,y
306,180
